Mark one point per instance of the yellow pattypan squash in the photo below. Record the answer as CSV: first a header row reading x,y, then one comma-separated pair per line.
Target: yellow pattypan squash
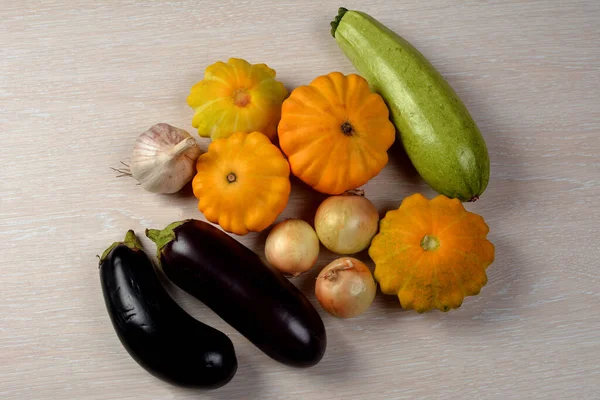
x,y
242,182
236,97
431,254
335,132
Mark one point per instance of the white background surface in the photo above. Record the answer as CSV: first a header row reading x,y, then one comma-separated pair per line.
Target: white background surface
x,y
80,80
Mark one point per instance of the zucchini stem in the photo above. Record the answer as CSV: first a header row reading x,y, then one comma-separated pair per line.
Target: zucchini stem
x,y
334,24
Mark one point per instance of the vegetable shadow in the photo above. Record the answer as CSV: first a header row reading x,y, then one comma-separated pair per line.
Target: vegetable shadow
x,y
306,199
400,179
388,303
401,163
339,360
186,192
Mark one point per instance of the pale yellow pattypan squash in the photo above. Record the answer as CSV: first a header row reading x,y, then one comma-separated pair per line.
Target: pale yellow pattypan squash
x,y
237,97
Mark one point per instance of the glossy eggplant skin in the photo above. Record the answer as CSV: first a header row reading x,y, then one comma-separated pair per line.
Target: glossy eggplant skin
x,y
155,331
252,297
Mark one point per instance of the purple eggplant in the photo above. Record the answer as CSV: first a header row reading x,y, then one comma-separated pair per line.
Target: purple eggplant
x,y
252,297
154,330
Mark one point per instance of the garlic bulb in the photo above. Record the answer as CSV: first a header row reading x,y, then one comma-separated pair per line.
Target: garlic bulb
x,y
164,158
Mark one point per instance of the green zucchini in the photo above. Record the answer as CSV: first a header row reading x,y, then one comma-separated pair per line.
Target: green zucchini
x,y
436,129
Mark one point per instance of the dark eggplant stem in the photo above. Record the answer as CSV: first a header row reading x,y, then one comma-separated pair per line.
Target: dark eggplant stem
x,y
162,237
334,24
130,241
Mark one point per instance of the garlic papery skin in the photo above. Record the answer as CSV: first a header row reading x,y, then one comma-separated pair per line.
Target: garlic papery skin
x,y
164,158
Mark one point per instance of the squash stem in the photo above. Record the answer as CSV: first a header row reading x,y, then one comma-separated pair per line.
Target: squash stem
x,y
347,129
429,243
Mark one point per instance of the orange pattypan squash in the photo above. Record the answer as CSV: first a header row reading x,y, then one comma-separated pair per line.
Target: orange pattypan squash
x,y
236,97
335,133
242,182
431,254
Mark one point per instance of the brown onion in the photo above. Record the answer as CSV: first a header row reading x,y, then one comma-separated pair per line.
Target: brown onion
x,y
346,224
292,247
345,288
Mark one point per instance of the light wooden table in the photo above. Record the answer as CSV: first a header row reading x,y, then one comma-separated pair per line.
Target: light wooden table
x,y
79,81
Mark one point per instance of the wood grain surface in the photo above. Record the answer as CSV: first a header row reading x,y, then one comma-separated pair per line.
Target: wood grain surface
x,y
79,80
